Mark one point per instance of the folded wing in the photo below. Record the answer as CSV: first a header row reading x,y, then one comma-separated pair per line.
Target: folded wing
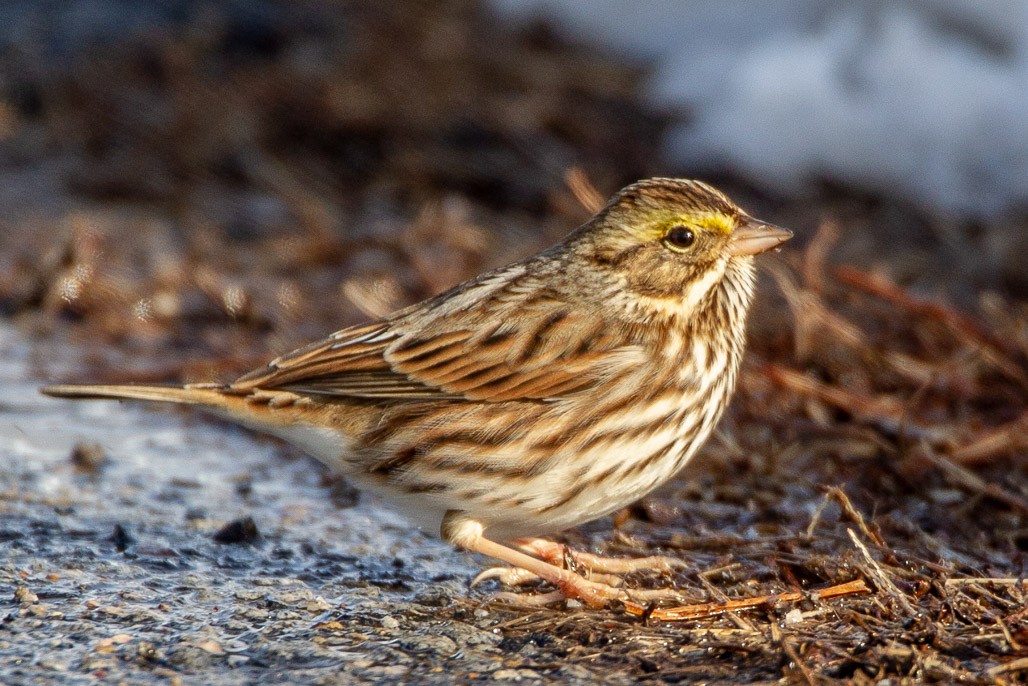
x,y
510,343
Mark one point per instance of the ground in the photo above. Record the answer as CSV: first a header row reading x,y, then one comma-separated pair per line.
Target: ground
x,y
218,188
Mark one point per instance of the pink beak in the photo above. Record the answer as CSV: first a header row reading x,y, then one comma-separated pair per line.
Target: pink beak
x,y
754,237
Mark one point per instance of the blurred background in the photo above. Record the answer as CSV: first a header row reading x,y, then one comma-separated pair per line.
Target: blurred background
x,y
292,167
920,101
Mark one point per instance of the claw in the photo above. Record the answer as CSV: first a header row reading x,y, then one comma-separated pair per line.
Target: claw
x,y
509,576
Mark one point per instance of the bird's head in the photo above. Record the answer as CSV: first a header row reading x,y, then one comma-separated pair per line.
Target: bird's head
x,y
674,239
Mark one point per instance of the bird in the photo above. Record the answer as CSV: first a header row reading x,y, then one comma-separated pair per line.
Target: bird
x,y
534,397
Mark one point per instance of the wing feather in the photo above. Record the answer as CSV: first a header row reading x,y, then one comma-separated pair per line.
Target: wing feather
x,y
510,344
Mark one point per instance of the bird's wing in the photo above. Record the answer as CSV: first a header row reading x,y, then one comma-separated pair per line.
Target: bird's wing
x,y
510,344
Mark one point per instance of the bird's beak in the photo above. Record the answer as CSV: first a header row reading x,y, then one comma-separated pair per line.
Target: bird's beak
x,y
754,237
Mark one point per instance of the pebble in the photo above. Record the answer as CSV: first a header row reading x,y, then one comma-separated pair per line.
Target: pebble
x,y
52,666
109,644
242,530
148,651
211,646
303,599
25,596
576,672
390,672
517,675
293,597
440,645
92,663
433,597
88,457
794,616
235,646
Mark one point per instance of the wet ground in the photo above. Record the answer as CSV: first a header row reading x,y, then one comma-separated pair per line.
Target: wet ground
x,y
112,565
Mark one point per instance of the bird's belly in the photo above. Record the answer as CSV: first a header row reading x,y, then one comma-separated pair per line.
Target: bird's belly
x,y
630,482
616,476
590,481
573,485
331,447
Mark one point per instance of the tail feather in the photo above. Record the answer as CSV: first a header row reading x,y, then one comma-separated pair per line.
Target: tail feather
x,y
284,414
197,394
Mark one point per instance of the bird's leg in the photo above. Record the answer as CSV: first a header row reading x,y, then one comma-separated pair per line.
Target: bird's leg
x,y
467,533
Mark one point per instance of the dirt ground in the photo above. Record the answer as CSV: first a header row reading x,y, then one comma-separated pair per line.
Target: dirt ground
x,y
188,193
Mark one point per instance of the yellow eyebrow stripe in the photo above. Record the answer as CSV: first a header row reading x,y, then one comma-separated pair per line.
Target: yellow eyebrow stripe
x,y
713,221
659,224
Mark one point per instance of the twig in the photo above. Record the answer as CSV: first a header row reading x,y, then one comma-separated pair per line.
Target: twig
x,y
583,190
707,573
971,481
789,650
704,610
854,515
715,592
1011,641
887,413
959,323
880,577
879,408
985,581
815,257
1019,665
813,320
1003,439
816,519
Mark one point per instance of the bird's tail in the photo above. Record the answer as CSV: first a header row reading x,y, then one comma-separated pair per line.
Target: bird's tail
x,y
290,416
208,395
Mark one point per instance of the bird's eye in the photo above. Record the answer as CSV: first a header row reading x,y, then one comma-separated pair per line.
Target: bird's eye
x,y
679,238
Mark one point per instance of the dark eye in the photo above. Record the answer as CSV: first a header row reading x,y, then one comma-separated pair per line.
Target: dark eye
x,y
679,238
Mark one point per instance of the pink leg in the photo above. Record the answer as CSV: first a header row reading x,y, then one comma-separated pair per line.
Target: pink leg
x,y
468,534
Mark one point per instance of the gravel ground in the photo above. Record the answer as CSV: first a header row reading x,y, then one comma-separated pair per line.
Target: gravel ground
x,y
137,546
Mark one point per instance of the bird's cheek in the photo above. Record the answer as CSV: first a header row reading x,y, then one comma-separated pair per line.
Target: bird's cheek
x,y
656,280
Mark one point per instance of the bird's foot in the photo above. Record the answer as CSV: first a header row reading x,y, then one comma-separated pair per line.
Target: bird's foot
x,y
591,579
468,533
